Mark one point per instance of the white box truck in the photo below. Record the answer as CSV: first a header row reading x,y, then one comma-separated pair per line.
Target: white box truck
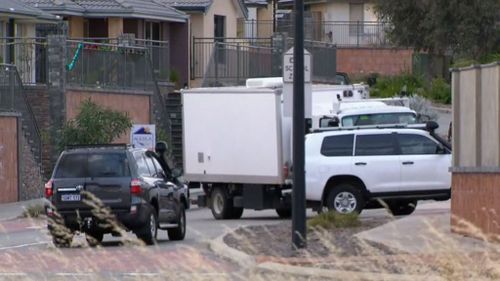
x,y
237,146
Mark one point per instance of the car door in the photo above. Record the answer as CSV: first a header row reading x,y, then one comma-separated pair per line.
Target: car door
x,y
376,161
167,200
423,165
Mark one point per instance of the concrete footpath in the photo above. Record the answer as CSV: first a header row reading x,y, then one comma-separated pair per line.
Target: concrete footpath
x,y
425,233
10,211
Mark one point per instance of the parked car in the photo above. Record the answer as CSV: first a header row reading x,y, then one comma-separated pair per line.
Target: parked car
x,y
350,169
130,182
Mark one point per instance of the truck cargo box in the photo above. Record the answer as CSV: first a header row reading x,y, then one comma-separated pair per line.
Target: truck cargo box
x,y
234,135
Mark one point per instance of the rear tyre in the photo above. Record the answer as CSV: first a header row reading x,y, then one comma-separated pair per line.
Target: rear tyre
x,y
179,232
221,204
284,213
94,239
345,198
237,213
149,231
402,208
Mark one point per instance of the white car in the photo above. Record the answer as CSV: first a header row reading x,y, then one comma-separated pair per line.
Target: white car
x,y
349,169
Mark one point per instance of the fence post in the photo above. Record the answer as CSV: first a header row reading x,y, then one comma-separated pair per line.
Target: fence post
x,y
238,49
193,44
357,33
216,62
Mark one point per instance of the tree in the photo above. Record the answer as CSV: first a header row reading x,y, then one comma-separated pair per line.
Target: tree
x,y
466,28
94,125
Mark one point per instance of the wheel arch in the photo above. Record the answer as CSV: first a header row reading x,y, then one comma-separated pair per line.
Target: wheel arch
x,y
339,179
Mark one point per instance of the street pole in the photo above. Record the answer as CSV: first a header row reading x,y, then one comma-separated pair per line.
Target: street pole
x,y
298,193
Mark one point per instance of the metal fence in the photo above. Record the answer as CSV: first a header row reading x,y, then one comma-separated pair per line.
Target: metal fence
x,y
100,65
158,51
340,33
202,50
232,64
29,55
14,99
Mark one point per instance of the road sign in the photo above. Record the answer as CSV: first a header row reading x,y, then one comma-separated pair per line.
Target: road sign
x,y
143,136
288,66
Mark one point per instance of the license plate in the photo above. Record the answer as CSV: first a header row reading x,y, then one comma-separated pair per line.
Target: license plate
x,y
70,197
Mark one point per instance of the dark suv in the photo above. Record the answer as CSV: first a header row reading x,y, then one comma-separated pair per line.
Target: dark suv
x,y
93,184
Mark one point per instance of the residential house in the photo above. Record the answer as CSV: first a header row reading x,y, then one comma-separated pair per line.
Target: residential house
x,y
18,20
145,19
211,18
260,21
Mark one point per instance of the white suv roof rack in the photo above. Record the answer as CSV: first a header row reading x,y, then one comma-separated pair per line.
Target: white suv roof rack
x,y
429,126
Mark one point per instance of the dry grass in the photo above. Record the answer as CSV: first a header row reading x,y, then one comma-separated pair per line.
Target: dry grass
x,y
331,219
33,211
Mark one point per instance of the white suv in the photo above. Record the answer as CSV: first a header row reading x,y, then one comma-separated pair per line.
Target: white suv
x,y
347,170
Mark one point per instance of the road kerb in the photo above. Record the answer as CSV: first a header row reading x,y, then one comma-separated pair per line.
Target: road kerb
x,y
249,262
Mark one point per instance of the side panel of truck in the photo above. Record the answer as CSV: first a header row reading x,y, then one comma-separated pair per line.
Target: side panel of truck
x,y
233,136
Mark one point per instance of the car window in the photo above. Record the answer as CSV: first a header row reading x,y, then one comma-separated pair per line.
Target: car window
x,y
416,144
382,144
157,166
379,119
108,165
337,145
72,166
151,166
142,167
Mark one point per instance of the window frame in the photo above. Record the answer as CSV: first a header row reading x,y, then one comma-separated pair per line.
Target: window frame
x,y
393,141
400,151
321,151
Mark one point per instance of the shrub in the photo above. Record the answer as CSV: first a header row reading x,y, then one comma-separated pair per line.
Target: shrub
x,y
333,219
440,91
391,86
94,125
33,211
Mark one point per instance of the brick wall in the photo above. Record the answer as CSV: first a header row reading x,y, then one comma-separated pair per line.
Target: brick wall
x,y
31,182
385,61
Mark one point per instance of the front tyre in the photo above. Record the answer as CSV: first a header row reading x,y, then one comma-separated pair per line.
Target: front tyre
x,y
221,204
345,198
402,208
284,213
179,232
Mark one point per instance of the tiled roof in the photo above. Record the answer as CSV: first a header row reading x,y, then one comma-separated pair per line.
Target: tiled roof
x,y
15,7
189,4
152,9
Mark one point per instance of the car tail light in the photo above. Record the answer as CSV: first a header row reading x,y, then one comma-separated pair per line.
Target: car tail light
x,y
49,189
135,187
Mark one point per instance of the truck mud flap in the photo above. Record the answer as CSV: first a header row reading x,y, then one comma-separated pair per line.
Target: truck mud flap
x,y
201,201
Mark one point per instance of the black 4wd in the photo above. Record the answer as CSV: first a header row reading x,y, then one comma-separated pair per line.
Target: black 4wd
x,y
135,188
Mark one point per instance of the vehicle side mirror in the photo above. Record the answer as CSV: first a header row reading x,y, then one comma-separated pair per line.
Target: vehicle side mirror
x,y
176,172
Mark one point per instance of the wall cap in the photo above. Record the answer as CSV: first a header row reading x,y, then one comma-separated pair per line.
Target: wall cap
x,y
484,170
10,114
109,91
475,66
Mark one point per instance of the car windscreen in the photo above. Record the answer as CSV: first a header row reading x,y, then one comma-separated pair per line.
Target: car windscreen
x,y
93,165
379,119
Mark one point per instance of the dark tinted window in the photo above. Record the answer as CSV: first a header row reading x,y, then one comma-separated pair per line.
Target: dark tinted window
x,y
142,168
72,166
416,144
337,145
374,145
108,165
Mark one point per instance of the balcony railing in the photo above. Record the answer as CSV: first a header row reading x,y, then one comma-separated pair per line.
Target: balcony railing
x,y
340,33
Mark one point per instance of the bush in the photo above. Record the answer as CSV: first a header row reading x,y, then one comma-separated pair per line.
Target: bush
x,y
440,91
94,125
391,86
33,211
333,219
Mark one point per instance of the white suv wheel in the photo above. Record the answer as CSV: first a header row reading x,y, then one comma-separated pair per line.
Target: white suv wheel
x,y
345,202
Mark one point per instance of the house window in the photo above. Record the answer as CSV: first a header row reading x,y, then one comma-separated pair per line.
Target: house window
x,y
153,31
356,18
2,41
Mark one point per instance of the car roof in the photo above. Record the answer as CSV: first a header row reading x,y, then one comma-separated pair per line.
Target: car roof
x,y
375,110
371,131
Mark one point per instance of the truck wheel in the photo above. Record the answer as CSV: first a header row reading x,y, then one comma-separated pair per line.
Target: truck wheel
x,y
148,232
179,232
94,239
221,204
345,198
402,208
237,213
284,213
